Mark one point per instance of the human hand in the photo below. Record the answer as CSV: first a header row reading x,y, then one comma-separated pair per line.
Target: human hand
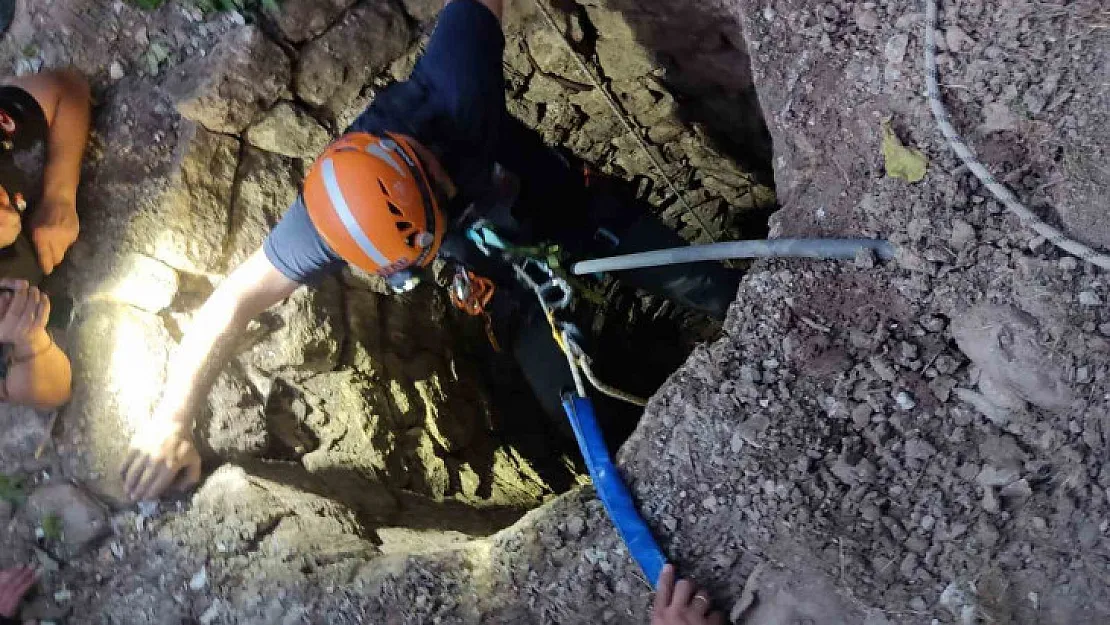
x,y
24,311
681,603
10,222
14,584
163,456
54,228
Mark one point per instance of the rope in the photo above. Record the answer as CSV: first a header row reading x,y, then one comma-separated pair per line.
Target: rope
x,y
605,389
655,160
1001,193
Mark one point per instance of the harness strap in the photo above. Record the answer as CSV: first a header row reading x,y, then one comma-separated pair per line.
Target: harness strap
x,y
472,294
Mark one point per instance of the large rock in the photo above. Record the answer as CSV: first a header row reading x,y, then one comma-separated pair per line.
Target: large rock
x,y
335,67
423,11
1005,343
267,186
81,519
299,20
119,358
547,49
133,279
288,130
236,423
22,430
224,90
621,55
185,226
271,508
308,329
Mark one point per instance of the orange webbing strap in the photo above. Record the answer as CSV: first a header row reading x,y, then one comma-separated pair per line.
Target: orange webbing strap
x,y
479,292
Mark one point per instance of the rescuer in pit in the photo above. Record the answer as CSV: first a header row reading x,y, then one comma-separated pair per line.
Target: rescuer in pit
x,y
428,158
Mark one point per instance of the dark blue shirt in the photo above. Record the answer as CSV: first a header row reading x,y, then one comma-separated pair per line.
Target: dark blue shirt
x,y
453,103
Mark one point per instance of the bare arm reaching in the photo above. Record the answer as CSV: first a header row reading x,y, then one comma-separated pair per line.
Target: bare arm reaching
x,y
64,98
163,454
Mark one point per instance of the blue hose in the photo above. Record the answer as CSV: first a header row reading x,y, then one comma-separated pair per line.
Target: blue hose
x,y
611,490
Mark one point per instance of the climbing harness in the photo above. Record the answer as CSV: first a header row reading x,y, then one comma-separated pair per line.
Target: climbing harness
x,y
472,294
539,269
623,119
1000,192
486,239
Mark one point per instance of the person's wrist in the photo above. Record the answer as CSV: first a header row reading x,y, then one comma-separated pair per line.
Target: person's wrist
x,y
61,197
59,205
32,345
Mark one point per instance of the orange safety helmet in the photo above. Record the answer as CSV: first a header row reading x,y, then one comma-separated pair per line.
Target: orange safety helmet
x,y
371,201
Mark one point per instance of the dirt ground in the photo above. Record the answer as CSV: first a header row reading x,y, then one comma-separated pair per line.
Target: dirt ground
x,y
919,441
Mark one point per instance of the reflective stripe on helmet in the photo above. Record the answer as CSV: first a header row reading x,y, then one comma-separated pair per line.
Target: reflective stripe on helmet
x,y
339,203
379,150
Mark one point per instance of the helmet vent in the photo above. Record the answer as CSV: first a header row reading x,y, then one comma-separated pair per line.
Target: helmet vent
x,y
404,226
393,209
385,191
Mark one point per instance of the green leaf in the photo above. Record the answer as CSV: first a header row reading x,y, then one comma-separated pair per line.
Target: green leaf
x,y
52,526
11,489
901,162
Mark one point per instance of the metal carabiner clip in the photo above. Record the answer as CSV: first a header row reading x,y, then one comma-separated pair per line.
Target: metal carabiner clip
x,y
554,292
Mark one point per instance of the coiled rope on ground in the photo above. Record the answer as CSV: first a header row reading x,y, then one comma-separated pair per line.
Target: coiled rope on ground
x,y
1000,192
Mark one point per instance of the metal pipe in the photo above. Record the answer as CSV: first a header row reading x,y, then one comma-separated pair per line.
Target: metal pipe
x,y
824,249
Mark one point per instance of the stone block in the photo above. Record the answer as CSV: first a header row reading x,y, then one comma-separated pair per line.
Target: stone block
x,y
267,187
288,130
300,20
336,67
185,225
80,518
133,279
306,332
224,90
119,356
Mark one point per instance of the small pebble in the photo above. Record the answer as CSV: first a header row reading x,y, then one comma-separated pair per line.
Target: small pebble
x,y
905,401
1089,298
115,70
1069,263
1019,489
199,580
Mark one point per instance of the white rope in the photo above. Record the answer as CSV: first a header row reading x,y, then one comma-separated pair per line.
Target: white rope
x,y
1004,195
553,25
606,389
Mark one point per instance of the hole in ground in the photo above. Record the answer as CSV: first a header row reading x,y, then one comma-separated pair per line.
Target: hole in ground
x,y
637,340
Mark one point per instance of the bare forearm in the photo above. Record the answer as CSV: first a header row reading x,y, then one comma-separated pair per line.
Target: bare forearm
x,y
39,374
69,133
210,341
205,349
